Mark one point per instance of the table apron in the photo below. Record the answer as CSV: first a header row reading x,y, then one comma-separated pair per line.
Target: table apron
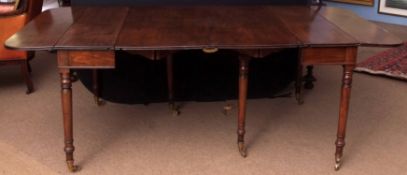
x,y
86,59
328,55
106,59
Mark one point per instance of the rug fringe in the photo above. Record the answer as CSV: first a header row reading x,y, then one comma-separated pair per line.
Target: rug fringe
x,y
379,72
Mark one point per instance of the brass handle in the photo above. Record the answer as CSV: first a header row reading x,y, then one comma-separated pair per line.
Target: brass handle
x,y
210,50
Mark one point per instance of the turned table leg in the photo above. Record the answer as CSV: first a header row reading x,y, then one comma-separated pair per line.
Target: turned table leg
x,y
26,75
298,86
66,96
170,80
243,86
298,81
309,78
95,87
343,113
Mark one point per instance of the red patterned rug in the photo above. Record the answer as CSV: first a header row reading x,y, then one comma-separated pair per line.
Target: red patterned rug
x,y
391,62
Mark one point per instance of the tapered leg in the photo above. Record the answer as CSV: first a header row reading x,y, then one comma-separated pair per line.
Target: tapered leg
x,y
170,80
26,76
66,96
309,78
343,113
30,57
95,87
29,67
298,86
243,86
298,82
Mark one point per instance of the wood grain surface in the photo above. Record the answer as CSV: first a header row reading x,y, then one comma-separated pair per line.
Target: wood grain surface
x,y
198,27
97,29
45,30
367,33
201,27
312,29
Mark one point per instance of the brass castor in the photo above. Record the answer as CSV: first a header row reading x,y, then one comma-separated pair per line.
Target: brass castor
x,y
338,163
242,149
71,167
99,101
29,91
175,110
227,109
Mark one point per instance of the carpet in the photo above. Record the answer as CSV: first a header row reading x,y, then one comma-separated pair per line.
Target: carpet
x,y
20,163
391,62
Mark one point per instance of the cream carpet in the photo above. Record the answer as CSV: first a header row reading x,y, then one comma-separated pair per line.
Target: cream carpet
x,y
282,137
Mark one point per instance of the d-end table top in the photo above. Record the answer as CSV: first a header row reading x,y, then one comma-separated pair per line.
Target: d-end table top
x,y
197,27
186,27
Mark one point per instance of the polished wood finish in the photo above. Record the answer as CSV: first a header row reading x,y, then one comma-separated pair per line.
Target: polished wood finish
x,y
343,112
201,27
87,38
86,59
108,22
191,27
243,86
311,28
326,55
367,33
45,31
348,61
66,96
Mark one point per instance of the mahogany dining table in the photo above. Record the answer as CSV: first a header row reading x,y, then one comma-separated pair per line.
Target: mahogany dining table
x,y
87,38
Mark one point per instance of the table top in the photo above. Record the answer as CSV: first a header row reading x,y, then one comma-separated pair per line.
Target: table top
x,y
197,27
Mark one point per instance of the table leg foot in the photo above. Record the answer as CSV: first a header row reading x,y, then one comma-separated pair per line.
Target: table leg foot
x,y
174,109
227,109
29,91
71,166
99,101
242,149
338,163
